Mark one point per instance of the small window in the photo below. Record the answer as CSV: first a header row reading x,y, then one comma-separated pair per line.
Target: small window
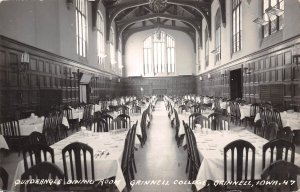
x,y
275,22
100,38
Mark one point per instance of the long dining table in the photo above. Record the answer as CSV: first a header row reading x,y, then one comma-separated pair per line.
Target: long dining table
x,y
211,145
108,150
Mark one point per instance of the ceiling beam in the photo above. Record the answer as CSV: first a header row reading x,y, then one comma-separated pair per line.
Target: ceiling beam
x,y
114,12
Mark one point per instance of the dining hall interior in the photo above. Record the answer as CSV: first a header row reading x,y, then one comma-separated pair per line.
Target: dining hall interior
x,y
150,95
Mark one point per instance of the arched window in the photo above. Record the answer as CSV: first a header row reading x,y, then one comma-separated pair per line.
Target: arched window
x,y
159,54
81,27
120,54
112,47
100,37
217,50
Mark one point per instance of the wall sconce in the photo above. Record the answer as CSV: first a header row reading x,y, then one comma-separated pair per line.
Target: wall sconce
x,y
274,11
296,54
24,64
247,71
223,73
69,4
110,78
215,51
209,76
200,78
260,21
119,80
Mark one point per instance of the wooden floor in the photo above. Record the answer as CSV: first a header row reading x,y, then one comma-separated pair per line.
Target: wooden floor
x,y
160,158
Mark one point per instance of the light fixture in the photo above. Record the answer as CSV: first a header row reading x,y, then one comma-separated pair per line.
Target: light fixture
x,y
157,5
200,78
69,4
247,71
119,80
223,73
24,64
296,54
215,51
271,11
209,76
260,21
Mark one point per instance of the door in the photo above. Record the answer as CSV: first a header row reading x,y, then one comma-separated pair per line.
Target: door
x,y
83,93
236,84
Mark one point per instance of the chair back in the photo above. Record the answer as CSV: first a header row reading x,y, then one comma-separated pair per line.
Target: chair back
x,y
76,161
270,131
99,125
4,178
285,133
10,128
37,138
278,149
281,171
203,121
44,170
238,158
222,123
36,154
191,119
108,118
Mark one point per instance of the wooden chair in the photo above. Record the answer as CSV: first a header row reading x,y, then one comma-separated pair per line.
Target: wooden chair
x,y
203,121
118,123
212,118
74,123
241,172
258,128
99,125
270,131
195,161
37,138
126,118
44,170
125,160
279,149
276,117
131,159
36,154
222,123
254,109
281,171
190,154
108,118
191,119
4,178
136,110
79,169
11,132
285,133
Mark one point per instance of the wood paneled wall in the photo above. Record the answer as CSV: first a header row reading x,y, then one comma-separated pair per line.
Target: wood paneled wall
x,y
179,85
274,77
47,75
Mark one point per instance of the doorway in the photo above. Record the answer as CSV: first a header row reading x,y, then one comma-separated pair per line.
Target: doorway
x,y
83,93
236,84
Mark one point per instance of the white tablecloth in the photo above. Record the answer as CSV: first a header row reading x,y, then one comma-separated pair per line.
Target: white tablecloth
x,y
245,111
29,125
288,119
3,144
211,150
105,166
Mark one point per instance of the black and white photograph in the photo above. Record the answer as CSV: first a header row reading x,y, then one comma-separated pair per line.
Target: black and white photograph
x,y
149,95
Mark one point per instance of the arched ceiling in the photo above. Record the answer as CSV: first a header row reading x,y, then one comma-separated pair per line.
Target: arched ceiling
x,y
132,16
